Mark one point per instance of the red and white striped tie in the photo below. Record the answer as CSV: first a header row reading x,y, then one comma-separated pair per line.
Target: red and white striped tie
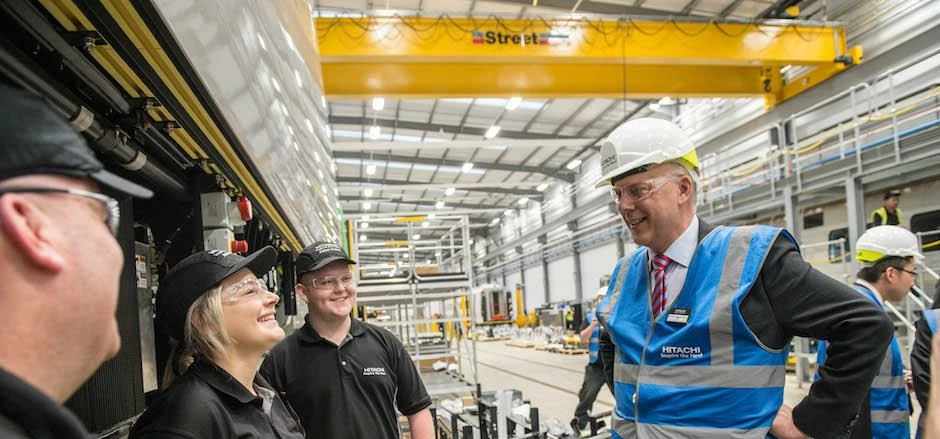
x,y
660,264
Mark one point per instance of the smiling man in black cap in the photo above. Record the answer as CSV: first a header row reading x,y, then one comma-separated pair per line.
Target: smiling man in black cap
x,y
59,267
343,377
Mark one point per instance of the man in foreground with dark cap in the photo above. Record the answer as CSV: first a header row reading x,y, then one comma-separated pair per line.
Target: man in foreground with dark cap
x,y
889,214
335,365
58,302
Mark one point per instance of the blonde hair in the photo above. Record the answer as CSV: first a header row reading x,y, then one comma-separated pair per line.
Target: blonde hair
x,y
204,335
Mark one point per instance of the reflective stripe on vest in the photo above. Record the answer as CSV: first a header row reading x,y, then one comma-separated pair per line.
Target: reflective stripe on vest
x,y
594,343
890,416
709,377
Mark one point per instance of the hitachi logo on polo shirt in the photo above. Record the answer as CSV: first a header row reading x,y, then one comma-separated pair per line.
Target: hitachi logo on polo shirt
x,y
681,352
372,371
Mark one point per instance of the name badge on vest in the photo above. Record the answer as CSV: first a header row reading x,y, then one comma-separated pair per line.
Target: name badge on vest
x,y
678,315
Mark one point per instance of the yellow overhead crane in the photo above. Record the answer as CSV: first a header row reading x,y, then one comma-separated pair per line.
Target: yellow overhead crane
x,y
421,57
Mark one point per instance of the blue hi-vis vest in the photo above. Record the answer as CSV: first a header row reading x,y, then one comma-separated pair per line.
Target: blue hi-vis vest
x,y
890,412
930,317
709,377
594,343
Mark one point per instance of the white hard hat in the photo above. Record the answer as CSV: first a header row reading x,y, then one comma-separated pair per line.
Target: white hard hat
x,y
644,141
881,241
601,292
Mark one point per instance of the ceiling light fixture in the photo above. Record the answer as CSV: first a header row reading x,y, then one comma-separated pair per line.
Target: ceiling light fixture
x,y
365,217
439,204
363,238
374,132
572,165
542,187
366,205
523,201
492,131
426,224
416,236
467,167
449,191
513,103
370,169
378,104
495,221
432,215
365,225
367,192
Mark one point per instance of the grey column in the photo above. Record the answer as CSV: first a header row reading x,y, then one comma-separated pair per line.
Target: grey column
x,y
854,202
790,212
521,268
621,249
578,294
542,239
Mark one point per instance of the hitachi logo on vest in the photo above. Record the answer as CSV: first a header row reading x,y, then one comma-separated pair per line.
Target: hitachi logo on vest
x,y
681,352
689,350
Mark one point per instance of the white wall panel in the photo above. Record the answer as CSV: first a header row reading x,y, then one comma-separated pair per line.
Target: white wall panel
x,y
512,279
561,279
534,287
596,262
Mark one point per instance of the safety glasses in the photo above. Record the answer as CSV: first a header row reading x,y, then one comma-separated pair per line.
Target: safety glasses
x,y
111,207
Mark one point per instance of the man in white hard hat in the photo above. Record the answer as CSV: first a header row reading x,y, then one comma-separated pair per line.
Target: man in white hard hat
x,y
701,317
594,377
888,256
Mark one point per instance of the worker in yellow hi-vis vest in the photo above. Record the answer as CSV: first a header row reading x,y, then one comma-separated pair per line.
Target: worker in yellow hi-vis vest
x,y
889,214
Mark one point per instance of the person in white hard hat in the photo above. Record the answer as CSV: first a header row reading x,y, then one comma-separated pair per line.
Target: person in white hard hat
x,y
888,256
701,317
594,377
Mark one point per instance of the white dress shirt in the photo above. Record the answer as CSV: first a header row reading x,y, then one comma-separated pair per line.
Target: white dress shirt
x,y
680,252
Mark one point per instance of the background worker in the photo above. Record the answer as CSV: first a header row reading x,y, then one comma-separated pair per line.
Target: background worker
x,y
925,330
345,378
594,370
701,316
58,303
889,214
888,255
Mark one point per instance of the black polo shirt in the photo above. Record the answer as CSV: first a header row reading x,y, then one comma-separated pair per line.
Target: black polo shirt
x,y
25,412
207,403
348,391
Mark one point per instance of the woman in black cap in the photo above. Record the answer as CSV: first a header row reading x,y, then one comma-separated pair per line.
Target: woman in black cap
x,y
221,319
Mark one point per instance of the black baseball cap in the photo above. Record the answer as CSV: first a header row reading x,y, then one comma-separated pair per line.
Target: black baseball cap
x,y
892,193
196,274
37,140
319,255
